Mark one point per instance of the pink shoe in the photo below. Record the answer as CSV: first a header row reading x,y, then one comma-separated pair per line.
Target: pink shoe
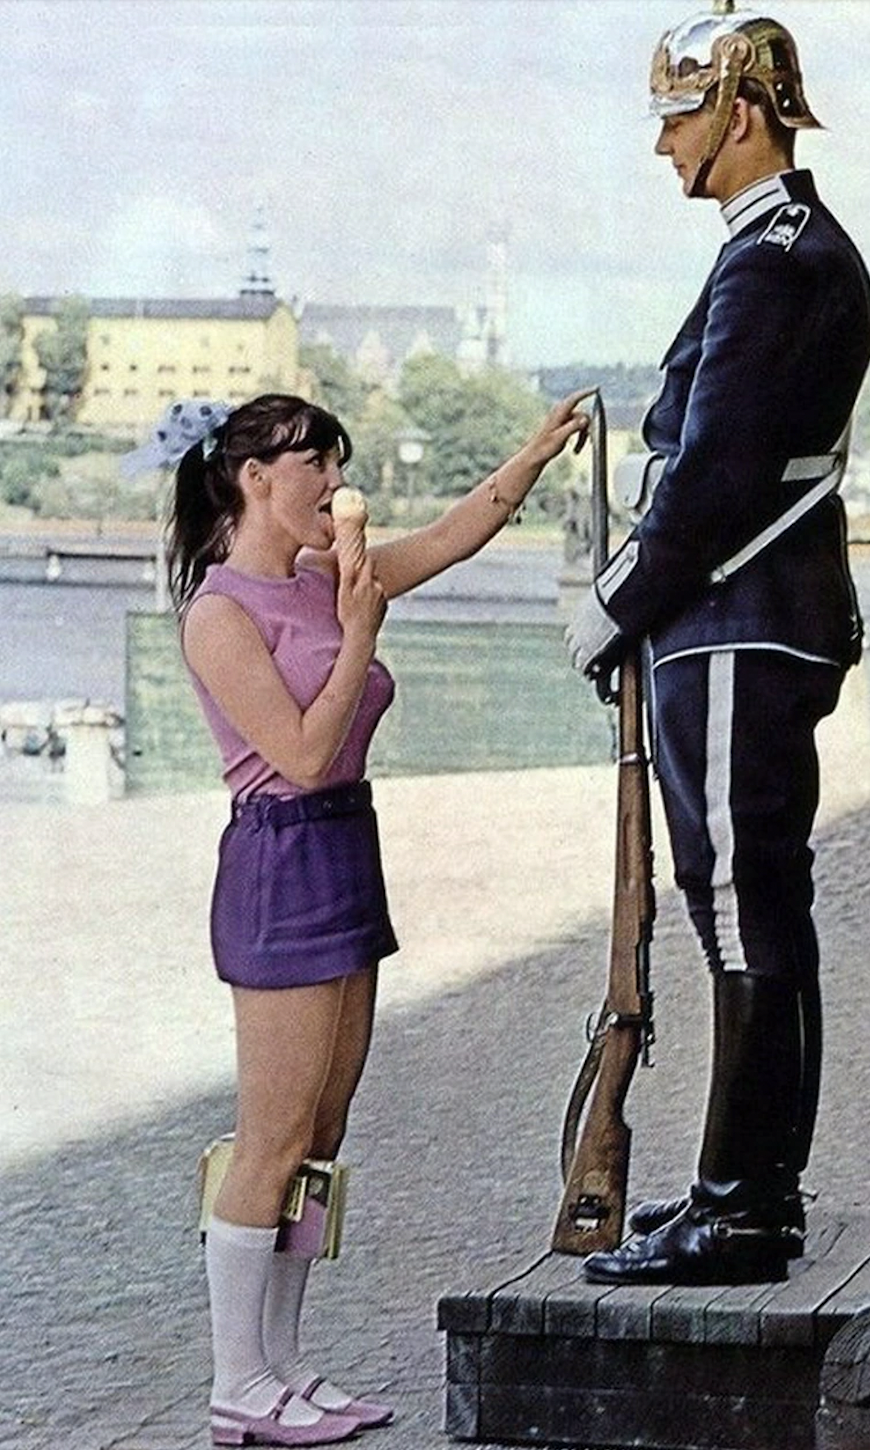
x,y
369,1414
236,1427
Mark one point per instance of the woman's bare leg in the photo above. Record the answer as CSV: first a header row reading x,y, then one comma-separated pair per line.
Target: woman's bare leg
x,y
290,1272
285,1041
352,1038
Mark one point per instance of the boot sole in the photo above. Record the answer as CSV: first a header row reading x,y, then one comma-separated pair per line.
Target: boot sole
x,y
714,1277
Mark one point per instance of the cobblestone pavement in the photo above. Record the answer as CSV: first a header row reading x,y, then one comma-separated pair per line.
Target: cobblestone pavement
x,y
453,1148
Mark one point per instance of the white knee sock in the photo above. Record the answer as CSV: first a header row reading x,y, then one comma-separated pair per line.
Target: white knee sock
x,y
239,1264
281,1321
283,1313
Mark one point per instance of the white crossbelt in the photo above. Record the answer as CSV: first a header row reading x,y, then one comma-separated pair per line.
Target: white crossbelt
x,y
636,476
796,470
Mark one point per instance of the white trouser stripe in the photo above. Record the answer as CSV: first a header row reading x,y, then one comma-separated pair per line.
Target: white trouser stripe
x,y
720,826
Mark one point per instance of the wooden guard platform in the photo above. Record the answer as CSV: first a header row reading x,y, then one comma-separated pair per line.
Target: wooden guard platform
x,y
547,1359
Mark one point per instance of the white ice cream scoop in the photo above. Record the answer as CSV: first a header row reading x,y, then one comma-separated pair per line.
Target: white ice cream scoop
x,y
349,503
349,516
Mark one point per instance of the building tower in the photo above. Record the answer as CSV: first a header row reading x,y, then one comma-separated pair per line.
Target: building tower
x,y
496,300
257,282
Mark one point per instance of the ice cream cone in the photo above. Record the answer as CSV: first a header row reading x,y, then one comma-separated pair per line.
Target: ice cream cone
x,y
349,516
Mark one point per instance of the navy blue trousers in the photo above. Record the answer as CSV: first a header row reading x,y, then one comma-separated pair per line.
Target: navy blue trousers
x,y
735,753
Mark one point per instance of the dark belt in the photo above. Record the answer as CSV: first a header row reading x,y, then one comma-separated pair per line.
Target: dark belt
x,y
317,805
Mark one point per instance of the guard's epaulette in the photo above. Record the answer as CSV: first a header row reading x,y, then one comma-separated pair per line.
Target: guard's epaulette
x,y
786,226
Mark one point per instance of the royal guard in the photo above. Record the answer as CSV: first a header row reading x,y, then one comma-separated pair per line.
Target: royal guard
x,y
736,573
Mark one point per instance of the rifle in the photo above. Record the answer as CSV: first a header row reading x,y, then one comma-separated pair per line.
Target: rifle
x,y
595,1159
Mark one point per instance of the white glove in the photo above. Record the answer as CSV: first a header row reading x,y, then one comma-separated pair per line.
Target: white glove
x,y
592,634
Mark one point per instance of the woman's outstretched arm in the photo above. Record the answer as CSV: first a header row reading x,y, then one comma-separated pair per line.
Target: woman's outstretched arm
x,y
478,516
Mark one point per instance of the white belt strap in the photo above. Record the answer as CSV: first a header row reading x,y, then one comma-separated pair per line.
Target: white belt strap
x,y
831,465
637,474
798,469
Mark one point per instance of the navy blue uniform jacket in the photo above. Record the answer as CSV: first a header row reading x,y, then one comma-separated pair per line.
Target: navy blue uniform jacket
x,y
766,368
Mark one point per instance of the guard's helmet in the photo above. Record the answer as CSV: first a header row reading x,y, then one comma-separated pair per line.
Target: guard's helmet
x,y
721,49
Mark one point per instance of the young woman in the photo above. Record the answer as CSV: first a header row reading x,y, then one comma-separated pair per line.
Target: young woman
x,y
279,630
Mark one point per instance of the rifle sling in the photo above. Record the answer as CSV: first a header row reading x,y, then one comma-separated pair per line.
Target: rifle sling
x,y
586,1078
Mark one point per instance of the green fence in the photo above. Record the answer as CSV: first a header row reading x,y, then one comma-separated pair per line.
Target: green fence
x,y
469,697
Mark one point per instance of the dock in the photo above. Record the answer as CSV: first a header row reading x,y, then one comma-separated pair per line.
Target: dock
x,y
53,554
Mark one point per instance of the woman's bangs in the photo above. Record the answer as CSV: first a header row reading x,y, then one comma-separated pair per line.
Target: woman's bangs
x,y
312,428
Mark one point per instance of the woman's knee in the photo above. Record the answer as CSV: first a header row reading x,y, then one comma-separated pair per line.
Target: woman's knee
x,y
265,1163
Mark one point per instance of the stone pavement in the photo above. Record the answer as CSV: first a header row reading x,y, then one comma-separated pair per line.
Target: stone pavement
x,y
117,1067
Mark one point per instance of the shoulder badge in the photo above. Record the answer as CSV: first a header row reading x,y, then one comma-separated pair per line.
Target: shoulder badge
x,y
786,226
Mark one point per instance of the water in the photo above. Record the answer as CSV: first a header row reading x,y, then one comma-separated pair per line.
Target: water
x,y
482,674
483,681
62,641
67,639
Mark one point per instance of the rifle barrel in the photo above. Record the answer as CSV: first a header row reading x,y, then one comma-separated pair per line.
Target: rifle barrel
x,y
596,1147
600,509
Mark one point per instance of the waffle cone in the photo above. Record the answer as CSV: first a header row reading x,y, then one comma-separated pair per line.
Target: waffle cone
x,y
349,517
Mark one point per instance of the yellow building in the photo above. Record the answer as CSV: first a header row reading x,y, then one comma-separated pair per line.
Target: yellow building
x,y
143,353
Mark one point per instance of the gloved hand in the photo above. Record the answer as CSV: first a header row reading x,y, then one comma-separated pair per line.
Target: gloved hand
x,y
594,640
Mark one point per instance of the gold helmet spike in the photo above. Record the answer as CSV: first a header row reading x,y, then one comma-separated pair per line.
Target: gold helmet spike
x,y
720,49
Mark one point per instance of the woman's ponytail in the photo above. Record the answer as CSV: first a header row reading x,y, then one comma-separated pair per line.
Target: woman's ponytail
x,y
206,506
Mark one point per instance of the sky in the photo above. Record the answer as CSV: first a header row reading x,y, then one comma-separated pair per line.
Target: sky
x,y
388,142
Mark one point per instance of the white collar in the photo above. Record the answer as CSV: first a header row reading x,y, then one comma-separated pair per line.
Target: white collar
x,y
742,209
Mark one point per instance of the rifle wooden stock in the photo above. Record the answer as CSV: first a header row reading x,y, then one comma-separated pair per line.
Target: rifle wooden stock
x,y
595,1157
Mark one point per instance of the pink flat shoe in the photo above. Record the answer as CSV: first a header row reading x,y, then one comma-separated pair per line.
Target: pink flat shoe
x,y
369,1414
236,1427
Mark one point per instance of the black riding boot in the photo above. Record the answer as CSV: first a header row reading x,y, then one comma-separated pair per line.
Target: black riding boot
x,y
655,1213
810,1007
732,1229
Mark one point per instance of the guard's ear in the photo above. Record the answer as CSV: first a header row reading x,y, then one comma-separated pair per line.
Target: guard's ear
x,y
741,118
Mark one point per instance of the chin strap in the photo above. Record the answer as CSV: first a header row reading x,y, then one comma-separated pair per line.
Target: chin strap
x,y
734,54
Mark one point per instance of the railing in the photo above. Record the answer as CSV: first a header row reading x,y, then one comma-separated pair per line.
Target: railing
x,y
57,552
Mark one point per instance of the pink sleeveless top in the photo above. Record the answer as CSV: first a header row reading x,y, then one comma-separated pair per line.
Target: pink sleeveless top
x,y
297,620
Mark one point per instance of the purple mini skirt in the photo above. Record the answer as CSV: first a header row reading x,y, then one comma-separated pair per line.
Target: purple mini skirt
x,y
299,895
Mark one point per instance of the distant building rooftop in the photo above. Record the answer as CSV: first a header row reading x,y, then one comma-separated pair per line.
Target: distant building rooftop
x,y
252,307
401,329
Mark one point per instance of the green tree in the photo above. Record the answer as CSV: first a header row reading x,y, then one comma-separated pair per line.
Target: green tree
x,y
474,423
11,335
63,353
373,466
619,383
23,471
335,385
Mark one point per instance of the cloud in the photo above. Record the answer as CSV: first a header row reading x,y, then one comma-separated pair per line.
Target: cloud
x,y
160,245
388,140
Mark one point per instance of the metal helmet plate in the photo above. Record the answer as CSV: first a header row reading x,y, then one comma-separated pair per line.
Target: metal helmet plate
x,y
722,48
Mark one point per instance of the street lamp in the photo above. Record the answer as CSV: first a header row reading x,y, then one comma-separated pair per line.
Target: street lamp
x,y
410,446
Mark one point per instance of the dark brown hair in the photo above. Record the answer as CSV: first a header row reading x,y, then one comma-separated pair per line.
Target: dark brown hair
x,y
756,94
207,502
